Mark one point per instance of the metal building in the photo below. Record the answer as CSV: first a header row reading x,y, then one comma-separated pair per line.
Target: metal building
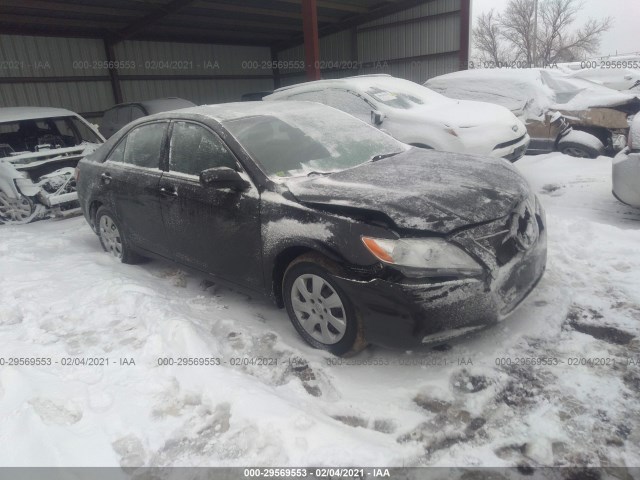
x,y
87,55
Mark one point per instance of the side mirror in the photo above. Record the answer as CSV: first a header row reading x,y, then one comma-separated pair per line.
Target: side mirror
x,y
377,117
223,177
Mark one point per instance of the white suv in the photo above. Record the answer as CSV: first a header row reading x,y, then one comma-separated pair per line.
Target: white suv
x,y
626,168
418,116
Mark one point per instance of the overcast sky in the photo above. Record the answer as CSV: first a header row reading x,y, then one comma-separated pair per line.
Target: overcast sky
x,y
624,36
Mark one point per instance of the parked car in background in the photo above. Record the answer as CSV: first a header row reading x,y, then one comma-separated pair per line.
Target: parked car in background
x,y
118,116
362,238
418,116
626,169
39,150
620,79
547,101
254,96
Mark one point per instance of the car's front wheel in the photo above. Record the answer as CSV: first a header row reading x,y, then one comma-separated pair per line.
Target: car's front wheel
x,y
16,210
112,237
319,310
581,144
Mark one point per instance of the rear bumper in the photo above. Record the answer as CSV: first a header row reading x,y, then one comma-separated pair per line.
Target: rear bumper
x,y
397,315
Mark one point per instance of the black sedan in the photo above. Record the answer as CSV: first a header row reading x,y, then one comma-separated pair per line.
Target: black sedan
x,y
361,238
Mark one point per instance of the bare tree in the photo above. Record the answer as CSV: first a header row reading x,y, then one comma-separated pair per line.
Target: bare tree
x,y
486,38
513,31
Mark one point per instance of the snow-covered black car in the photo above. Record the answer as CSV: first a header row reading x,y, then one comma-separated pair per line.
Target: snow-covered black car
x,y
39,150
362,238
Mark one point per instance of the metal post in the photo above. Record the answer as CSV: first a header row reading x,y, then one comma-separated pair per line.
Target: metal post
x,y
113,72
311,43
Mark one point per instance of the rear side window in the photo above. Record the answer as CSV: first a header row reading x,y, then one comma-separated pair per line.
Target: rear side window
x,y
144,145
195,148
117,154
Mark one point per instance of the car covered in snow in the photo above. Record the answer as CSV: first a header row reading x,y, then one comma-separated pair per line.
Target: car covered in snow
x,y
626,169
39,150
562,113
418,116
119,115
363,239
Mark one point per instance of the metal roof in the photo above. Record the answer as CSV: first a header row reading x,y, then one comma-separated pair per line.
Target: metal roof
x,y
275,23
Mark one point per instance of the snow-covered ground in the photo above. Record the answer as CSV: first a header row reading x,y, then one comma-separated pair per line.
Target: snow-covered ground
x,y
470,403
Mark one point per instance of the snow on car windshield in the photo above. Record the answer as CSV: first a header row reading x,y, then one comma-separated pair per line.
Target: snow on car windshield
x,y
398,93
300,141
35,134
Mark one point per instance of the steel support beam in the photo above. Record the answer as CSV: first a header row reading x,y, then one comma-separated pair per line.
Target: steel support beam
x,y
311,42
113,71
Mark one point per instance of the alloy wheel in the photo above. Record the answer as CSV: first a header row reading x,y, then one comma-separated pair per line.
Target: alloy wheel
x,y
15,210
110,236
318,309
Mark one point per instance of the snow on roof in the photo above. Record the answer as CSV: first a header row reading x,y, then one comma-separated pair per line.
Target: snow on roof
x,y
16,114
232,111
361,83
532,89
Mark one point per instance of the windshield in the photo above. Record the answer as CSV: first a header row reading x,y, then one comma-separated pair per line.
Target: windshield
x,y
398,93
44,133
314,139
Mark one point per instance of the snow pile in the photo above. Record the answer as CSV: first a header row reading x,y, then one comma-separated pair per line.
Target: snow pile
x,y
467,404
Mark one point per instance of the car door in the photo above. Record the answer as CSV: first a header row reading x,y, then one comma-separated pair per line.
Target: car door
x,y
131,176
216,230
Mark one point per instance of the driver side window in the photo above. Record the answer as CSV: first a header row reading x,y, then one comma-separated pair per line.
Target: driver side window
x,y
195,148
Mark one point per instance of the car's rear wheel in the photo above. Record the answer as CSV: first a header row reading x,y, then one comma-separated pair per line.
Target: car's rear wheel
x,y
319,310
112,237
16,210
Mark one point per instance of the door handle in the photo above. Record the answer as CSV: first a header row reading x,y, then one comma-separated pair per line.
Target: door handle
x,y
106,178
168,192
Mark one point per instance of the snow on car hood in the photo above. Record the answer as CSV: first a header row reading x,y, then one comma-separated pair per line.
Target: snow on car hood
x,y
466,114
422,190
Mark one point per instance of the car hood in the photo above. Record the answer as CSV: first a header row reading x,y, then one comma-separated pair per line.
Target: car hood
x,y
462,114
420,189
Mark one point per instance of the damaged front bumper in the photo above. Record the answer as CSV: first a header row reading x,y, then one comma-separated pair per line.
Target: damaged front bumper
x,y
411,313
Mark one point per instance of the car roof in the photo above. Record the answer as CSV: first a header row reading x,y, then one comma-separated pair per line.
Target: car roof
x,y
16,114
357,81
232,111
158,103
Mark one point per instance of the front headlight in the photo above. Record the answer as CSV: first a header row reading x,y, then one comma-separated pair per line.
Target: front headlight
x,y
421,257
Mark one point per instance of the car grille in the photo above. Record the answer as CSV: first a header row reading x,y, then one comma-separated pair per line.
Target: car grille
x,y
497,243
509,143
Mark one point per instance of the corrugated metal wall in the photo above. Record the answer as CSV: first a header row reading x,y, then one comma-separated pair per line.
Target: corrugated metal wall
x,y
23,57
39,57
416,44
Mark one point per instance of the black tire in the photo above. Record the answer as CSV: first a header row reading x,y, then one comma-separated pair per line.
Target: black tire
x,y
580,150
127,255
352,340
